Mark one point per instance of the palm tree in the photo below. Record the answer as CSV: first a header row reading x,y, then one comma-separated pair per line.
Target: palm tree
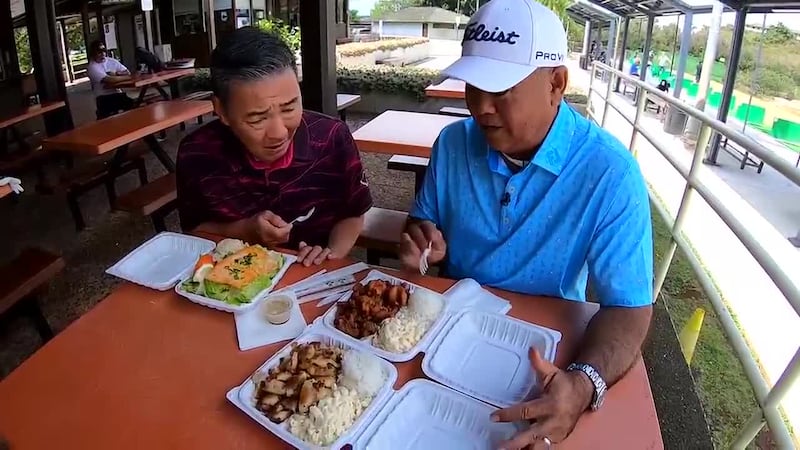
x,y
559,7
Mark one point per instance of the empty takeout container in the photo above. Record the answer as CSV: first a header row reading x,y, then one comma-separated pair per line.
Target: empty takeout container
x,y
162,261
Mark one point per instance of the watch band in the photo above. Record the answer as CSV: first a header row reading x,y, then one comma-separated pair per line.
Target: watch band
x,y
598,382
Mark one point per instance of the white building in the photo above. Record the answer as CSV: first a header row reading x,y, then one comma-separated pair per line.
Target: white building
x,y
422,21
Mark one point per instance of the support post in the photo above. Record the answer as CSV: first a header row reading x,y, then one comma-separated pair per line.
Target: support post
x,y
686,43
587,36
212,27
87,31
41,18
622,47
730,79
62,36
612,40
648,40
101,26
318,51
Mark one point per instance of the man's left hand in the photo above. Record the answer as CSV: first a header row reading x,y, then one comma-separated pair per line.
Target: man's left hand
x,y
564,397
308,255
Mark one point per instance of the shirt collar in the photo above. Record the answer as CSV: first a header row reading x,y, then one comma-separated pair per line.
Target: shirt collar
x,y
553,152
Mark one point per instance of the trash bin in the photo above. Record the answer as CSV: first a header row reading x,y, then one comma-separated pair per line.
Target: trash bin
x,y
584,62
675,121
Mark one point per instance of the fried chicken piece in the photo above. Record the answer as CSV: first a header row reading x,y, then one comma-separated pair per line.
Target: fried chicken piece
x,y
289,403
294,383
283,376
327,382
308,395
278,414
316,371
397,296
275,387
265,402
324,362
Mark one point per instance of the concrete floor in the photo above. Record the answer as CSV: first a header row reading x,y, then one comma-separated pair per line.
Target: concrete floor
x,y
45,221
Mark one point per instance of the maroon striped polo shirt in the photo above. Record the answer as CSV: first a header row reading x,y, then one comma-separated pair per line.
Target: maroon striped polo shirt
x,y
218,182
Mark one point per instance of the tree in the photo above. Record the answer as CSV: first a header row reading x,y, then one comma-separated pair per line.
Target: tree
x,y
74,35
384,7
353,14
778,34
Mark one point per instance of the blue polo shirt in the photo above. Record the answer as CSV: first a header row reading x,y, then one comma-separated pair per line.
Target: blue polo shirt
x,y
579,210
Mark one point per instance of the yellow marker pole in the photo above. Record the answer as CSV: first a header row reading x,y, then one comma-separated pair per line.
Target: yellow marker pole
x,y
690,333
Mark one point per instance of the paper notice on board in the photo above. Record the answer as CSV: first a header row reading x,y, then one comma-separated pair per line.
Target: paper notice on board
x,y
147,5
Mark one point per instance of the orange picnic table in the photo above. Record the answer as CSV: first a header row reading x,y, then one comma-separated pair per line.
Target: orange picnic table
x,y
7,121
117,131
145,81
4,190
149,369
402,133
449,88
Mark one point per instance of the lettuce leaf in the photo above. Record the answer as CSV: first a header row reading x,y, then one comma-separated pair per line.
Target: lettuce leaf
x,y
227,294
192,287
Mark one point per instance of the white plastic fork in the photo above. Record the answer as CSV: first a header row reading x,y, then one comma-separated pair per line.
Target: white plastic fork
x,y
423,260
305,217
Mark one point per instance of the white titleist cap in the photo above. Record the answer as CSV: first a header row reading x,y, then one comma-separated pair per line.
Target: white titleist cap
x,y
505,41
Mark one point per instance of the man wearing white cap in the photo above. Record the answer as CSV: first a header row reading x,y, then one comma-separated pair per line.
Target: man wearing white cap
x,y
529,196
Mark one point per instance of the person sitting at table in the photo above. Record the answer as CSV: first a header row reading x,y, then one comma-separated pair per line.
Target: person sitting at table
x,y
633,70
266,161
529,196
105,73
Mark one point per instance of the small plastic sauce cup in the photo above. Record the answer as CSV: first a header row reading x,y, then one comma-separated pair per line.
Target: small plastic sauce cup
x,y
278,309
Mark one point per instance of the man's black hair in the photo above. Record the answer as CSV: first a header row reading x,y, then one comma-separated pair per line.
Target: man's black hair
x,y
248,54
95,47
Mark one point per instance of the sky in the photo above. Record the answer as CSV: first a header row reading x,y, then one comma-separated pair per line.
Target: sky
x,y
362,6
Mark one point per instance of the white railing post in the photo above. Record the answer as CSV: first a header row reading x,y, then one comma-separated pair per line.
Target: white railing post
x,y
641,101
592,68
607,99
680,216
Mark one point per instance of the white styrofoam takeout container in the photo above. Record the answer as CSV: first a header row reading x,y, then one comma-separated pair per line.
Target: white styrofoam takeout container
x,y
288,260
243,396
162,261
329,317
464,343
485,355
426,415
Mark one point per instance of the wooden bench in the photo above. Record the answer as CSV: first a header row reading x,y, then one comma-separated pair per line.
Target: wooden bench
x,y
24,277
344,101
744,157
456,112
93,173
155,200
199,95
414,164
381,233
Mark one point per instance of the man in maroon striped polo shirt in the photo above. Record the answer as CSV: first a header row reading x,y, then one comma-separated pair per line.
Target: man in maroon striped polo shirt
x,y
266,161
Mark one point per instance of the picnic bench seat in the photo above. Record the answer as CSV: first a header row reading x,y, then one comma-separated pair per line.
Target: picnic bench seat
x,y
24,277
91,174
344,101
453,111
155,200
199,95
381,233
414,164
744,157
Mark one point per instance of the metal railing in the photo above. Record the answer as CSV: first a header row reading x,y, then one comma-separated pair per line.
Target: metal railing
x,y
768,399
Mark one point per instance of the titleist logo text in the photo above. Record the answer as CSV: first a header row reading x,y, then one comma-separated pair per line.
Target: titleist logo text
x,y
478,32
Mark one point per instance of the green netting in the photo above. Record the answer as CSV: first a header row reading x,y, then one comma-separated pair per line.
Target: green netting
x,y
751,113
786,130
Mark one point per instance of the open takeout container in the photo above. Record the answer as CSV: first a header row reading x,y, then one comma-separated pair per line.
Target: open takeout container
x,y
288,260
162,261
422,414
481,353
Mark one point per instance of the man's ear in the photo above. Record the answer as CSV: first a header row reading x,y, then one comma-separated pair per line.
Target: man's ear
x,y
219,110
558,82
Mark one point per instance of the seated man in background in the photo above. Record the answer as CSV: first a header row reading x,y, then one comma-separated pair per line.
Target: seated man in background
x,y
266,161
105,73
529,196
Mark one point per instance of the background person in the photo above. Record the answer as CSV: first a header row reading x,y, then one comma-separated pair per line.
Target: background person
x,y
105,74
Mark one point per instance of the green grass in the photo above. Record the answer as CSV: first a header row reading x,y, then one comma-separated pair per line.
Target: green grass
x,y
723,388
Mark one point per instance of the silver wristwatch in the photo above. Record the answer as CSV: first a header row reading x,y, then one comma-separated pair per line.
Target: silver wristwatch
x,y
599,385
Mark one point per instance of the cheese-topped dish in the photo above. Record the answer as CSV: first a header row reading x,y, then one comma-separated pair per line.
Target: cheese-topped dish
x,y
238,277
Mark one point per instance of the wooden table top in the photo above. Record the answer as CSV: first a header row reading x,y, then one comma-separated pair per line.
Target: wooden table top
x,y
142,80
29,112
5,190
346,100
402,133
113,132
449,88
149,369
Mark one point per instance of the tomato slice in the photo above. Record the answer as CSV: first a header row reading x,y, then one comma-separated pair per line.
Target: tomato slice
x,y
206,259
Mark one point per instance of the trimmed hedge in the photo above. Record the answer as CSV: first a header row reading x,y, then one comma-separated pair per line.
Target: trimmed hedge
x,y
408,81
363,48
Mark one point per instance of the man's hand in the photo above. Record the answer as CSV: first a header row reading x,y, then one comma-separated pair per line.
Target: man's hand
x,y
314,254
415,240
565,396
270,228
